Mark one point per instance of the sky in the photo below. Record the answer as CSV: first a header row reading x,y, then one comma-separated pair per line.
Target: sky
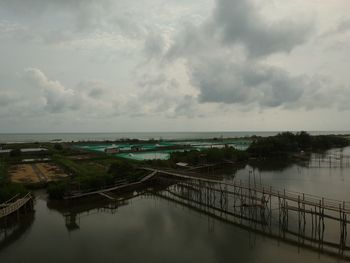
x,y
174,65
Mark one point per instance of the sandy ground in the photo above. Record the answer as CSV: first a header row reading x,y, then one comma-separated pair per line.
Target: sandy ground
x,y
51,171
36,172
23,173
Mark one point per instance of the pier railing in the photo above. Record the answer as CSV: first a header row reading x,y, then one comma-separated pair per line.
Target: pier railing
x,y
308,217
14,206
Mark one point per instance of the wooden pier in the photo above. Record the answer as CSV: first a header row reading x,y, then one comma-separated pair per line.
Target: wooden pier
x,y
122,185
319,221
15,205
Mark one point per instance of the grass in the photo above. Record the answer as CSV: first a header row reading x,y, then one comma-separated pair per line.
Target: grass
x,y
92,174
3,172
8,189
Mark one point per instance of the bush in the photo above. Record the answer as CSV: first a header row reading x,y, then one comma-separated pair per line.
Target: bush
x,y
287,143
58,147
56,190
15,153
121,168
209,155
3,173
8,190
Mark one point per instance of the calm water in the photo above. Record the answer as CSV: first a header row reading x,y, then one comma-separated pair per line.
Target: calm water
x,y
150,229
44,137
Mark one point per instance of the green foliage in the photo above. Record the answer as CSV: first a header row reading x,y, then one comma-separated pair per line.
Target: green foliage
x,y
58,147
15,153
121,168
8,190
324,142
71,166
3,172
192,157
286,143
209,155
93,182
159,163
56,190
88,174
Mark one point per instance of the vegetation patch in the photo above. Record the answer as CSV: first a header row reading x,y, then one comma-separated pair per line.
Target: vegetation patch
x,y
286,144
212,155
7,188
87,175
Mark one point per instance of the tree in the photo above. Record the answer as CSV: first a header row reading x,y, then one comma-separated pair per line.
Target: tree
x,y
121,168
58,147
15,153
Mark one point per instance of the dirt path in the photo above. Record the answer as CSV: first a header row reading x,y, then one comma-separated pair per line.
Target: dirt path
x,y
39,173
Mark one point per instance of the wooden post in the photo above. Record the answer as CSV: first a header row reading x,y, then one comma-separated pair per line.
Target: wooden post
x,y
299,217
270,206
341,228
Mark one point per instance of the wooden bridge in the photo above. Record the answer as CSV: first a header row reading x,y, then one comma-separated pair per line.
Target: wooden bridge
x,y
320,221
122,185
15,204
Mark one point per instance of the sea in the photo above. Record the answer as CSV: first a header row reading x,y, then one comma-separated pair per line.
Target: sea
x,y
111,136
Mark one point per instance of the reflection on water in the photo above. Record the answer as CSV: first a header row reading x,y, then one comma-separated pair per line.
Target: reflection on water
x,y
12,230
146,228
327,181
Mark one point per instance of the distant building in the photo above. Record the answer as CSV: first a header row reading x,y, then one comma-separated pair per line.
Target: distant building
x,y
136,148
181,164
112,150
26,150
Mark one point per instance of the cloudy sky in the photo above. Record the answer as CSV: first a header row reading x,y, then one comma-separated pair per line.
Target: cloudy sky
x,y
174,65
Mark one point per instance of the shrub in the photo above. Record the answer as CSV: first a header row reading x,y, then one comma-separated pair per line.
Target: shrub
x,y
8,190
121,168
15,153
58,147
56,190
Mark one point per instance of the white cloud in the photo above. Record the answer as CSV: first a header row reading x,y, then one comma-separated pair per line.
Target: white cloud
x,y
58,98
125,64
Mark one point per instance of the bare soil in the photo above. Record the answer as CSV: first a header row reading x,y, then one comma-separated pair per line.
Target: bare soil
x,y
27,174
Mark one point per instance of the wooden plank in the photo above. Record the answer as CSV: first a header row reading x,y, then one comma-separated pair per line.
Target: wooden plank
x,y
11,208
331,205
147,177
106,195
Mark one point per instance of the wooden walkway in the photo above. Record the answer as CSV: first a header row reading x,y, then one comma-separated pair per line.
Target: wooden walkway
x,y
116,187
10,207
251,224
302,198
263,204
104,194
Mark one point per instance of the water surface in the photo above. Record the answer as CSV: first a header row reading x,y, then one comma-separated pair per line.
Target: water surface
x,y
151,229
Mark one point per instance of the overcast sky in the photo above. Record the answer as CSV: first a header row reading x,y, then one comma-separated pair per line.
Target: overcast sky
x,y
174,65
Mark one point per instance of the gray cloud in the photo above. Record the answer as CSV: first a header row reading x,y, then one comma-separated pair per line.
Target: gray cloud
x,y
224,81
226,60
112,60
239,23
341,28
53,22
154,45
8,98
254,84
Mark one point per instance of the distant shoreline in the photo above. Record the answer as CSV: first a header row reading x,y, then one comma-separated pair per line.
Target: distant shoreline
x,y
110,136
